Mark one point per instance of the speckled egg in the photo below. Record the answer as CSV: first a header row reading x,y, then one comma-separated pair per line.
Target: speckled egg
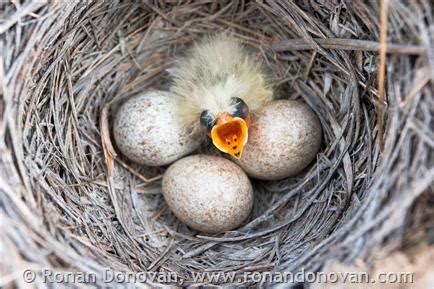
x,y
208,193
145,130
284,138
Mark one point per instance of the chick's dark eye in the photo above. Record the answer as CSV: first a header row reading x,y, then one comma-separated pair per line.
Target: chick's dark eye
x,y
241,108
207,119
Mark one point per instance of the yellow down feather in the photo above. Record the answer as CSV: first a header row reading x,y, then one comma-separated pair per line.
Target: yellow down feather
x,y
215,70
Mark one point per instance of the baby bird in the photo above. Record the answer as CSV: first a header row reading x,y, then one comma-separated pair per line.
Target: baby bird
x,y
217,85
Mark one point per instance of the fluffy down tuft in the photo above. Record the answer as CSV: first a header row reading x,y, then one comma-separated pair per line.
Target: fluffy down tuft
x,y
215,70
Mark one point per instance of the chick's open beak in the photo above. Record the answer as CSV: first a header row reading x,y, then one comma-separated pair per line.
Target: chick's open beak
x,y
230,134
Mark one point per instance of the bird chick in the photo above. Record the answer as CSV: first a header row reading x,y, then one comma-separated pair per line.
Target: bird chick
x,y
217,85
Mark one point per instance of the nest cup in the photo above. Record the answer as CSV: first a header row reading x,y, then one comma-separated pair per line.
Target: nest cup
x,y
70,202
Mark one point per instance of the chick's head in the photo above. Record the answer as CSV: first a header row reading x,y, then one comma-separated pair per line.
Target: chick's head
x,y
228,131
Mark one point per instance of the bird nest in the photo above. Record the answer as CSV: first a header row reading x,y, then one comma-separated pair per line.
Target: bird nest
x,y
71,202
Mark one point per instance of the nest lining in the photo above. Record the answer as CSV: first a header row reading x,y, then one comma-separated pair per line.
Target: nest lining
x,y
69,201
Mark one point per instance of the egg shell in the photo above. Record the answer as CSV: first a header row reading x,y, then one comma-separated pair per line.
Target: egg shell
x,y
284,138
208,193
146,130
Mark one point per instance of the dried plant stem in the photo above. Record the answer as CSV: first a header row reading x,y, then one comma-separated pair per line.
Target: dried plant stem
x,y
382,70
348,44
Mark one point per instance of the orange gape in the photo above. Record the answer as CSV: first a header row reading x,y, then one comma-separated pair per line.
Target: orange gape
x,y
230,134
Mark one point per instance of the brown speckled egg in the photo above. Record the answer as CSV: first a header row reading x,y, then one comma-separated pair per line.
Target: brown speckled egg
x,y
208,193
284,138
145,130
